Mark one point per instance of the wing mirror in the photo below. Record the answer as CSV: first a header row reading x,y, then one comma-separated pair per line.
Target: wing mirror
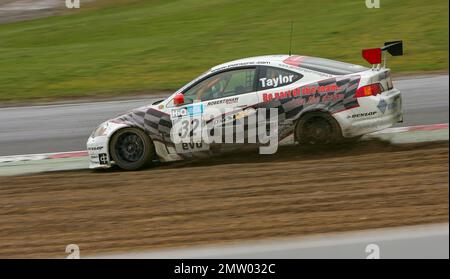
x,y
178,99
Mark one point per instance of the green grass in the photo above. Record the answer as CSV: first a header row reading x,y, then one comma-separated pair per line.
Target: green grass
x,y
122,46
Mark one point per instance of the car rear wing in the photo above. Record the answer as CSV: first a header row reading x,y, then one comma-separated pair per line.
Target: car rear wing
x,y
375,55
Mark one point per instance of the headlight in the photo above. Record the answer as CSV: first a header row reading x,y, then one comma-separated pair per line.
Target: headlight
x,y
100,131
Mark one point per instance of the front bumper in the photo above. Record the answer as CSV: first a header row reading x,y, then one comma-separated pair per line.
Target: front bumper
x,y
98,152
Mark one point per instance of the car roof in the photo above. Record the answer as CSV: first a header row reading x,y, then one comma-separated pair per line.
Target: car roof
x,y
322,65
256,60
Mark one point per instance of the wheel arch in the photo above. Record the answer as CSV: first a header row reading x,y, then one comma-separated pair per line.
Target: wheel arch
x,y
143,161
321,112
118,128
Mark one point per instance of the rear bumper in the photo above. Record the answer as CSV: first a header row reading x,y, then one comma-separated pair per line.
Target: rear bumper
x,y
373,114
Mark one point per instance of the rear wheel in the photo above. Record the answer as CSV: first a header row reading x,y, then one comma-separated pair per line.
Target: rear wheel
x,y
131,149
317,129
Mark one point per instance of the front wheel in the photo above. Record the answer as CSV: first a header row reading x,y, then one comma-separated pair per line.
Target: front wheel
x,y
131,149
317,129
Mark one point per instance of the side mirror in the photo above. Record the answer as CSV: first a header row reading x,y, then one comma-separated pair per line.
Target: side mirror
x,y
178,99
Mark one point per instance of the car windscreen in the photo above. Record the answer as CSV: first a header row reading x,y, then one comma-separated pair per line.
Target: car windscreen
x,y
331,67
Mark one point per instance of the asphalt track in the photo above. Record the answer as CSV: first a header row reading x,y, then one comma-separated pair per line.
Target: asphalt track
x,y
66,127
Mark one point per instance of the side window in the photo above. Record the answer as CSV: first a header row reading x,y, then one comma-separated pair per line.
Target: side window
x,y
223,84
274,77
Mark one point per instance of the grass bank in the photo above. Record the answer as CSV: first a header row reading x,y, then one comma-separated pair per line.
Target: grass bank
x,y
122,46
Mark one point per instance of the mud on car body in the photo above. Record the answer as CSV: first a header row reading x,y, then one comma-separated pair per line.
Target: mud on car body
x,y
320,101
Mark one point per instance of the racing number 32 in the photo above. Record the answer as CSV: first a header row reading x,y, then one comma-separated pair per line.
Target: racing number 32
x,y
189,128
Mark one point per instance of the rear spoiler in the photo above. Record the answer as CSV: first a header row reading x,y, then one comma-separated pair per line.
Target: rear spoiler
x,y
373,55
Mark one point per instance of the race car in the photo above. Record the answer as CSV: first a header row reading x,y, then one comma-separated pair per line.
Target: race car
x,y
317,100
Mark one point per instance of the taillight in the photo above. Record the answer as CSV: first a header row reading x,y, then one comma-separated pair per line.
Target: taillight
x,y
369,90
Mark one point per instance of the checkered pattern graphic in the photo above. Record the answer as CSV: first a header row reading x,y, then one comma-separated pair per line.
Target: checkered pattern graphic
x,y
158,124
291,108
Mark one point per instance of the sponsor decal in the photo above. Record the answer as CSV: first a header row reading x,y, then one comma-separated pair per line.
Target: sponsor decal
x,y
306,91
383,105
228,118
240,64
275,82
245,113
228,101
267,97
261,128
192,146
359,115
103,158
188,111
332,98
95,148
224,120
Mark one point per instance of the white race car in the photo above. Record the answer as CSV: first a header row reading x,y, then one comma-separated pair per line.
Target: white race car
x,y
319,101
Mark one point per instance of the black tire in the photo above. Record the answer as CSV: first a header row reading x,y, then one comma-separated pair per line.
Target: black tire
x,y
352,139
317,128
131,149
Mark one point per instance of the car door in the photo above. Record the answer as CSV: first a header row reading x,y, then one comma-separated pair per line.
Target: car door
x,y
219,98
227,109
272,83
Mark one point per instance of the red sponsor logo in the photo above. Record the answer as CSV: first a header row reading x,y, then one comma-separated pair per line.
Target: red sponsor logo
x,y
304,91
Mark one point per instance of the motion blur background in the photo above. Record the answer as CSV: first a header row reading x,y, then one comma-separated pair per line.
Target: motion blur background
x,y
115,47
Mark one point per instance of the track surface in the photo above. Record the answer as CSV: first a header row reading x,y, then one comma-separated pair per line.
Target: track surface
x,y
227,199
412,242
59,128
